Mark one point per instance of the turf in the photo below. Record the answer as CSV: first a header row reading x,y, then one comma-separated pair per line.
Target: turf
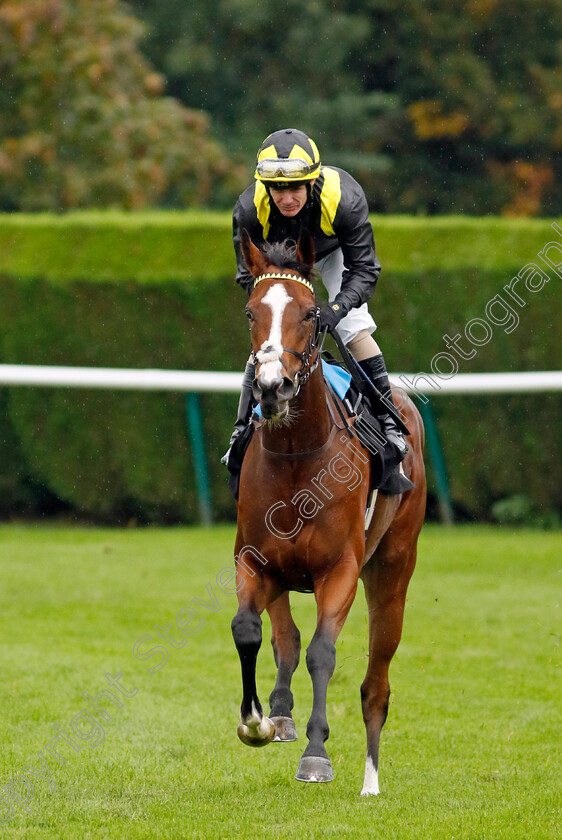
x,y
471,748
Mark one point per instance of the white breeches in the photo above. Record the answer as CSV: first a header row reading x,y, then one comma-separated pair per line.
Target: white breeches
x,y
331,269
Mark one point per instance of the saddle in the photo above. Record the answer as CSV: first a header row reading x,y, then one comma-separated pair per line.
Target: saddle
x,y
352,413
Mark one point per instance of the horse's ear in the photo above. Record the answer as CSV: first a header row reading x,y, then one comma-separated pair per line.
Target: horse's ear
x,y
253,257
305,249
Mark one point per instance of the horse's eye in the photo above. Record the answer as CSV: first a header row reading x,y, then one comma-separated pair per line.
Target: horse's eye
x,y
310,315
249,315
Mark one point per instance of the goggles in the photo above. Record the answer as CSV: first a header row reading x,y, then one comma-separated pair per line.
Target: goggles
x,y
293,169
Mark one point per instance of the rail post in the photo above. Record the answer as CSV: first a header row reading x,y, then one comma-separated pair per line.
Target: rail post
x,y
438,462
195,430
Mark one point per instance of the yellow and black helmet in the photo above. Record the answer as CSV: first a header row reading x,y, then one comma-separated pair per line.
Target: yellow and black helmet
x,y
287,156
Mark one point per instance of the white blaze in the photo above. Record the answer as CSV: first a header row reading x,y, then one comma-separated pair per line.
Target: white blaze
x,y
271,350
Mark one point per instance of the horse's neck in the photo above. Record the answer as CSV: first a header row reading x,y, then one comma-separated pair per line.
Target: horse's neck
x,y
309,423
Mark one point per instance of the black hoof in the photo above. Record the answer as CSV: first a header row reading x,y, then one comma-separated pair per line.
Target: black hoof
x,y
285,729
312,768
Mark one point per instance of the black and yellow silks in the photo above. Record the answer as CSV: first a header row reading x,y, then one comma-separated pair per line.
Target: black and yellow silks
x,y
335,214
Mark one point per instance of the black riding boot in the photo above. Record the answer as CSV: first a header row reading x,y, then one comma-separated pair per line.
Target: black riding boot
x,y
375,369
244,406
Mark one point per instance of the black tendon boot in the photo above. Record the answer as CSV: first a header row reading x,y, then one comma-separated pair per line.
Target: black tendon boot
x,y
375,368
244,407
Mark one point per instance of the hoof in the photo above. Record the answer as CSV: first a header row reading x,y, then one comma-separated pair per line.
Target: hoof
x,y
257,734
285,729
312,768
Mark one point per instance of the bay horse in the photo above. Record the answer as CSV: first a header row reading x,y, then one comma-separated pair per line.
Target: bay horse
x,y
301,521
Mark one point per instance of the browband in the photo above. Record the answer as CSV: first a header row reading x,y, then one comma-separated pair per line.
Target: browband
x,y
295,277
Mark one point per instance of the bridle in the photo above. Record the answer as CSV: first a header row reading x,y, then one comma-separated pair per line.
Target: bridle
x,y
315,339
301,378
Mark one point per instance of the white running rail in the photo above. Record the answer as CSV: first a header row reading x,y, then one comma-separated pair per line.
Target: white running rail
x,y
212,381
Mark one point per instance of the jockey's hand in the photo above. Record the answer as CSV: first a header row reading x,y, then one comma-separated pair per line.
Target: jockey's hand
x,y
329,315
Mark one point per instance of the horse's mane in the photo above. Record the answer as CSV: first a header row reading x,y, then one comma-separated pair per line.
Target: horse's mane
x,y
284,255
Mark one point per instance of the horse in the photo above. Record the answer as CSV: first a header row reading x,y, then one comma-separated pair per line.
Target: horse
x,y
301,508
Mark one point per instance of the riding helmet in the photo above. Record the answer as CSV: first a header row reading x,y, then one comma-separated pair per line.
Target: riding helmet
x,y
288,156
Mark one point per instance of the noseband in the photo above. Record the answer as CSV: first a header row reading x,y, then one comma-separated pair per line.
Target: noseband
x,y
312,343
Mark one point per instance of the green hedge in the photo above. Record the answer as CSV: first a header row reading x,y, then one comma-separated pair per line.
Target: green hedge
x,y
157,246
156,290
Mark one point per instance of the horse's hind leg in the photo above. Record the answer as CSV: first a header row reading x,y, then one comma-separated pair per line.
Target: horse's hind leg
x,y
286,641
386,577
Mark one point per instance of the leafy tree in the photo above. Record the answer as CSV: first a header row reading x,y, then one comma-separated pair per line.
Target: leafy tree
x,y
435,106
479,83
82,118
259,67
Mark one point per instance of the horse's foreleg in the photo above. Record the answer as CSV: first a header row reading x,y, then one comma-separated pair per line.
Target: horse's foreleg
x,y
254,728
286,641
386,580
334,597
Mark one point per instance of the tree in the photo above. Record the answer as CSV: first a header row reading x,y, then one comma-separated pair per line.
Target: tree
x,y
83,121
434,106
481,112
260,66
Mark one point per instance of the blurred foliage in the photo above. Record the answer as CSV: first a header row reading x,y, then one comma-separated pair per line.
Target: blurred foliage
x,y
436,107
520,510
83,120
119,455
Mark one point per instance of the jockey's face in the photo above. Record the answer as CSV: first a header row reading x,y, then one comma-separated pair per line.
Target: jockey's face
x,y
289,200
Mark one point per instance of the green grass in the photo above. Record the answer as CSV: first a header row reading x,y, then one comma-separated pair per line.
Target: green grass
x,y
471,748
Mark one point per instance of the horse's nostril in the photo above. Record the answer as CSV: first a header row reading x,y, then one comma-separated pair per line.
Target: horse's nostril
x,y
286,388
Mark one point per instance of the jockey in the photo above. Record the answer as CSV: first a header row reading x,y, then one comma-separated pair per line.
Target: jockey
x,y
294,192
